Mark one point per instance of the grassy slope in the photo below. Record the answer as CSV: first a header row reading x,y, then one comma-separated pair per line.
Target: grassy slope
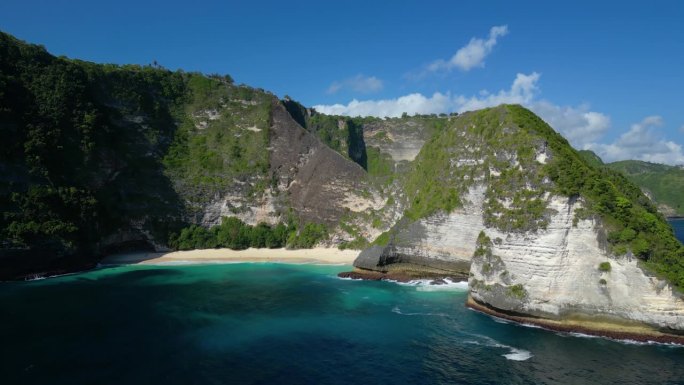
x,y
665,183
222,138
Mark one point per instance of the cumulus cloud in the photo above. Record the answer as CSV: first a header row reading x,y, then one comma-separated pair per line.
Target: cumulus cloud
x,y
471,55
358,83
643,142
577,124
412,104
522,91
583,127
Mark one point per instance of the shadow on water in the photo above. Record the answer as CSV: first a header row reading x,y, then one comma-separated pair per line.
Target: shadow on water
x,y
272,323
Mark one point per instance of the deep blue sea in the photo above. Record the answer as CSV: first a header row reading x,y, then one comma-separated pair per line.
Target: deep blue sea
x,y
289,324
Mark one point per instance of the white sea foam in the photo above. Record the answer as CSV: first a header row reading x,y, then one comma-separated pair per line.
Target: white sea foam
x,y
518,355
397,310
429,285
514,354
625,341
38,277
348,278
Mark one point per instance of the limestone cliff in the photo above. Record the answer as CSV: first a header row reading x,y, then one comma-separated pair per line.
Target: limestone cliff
x,y
528,247
565,272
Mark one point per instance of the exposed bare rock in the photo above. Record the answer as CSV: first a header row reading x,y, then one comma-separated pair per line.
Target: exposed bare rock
x,y
314,176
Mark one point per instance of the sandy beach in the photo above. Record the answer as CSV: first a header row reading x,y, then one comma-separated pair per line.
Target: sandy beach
x,y
319,255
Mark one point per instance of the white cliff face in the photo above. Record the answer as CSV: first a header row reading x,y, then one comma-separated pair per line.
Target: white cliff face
x,y
401,141
447,237
555,273
250,211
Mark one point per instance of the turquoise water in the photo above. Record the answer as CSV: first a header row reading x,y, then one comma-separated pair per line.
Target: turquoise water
x,y
287,324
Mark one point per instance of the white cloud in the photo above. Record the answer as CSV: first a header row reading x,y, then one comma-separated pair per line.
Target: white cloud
x,y
358,83
577,124
643,142
412,104
471,55
522,91
581,126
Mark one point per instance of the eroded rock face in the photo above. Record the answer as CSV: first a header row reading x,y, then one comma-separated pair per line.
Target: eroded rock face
x,y
550,273
317,183
441,241
315,177
402,140
555,273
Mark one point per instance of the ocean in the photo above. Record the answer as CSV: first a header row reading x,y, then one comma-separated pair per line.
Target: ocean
x,y
263,323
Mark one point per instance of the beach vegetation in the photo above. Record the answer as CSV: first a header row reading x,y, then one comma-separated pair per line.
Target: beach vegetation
x,y
234,234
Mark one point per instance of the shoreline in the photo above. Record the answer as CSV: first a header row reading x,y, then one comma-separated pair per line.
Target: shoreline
x,y
319,255
638,333
402,275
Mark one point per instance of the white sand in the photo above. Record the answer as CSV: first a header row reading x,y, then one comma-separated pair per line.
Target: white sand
x,y
318,255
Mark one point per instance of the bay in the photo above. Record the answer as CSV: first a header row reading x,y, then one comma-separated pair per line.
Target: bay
x,y
289,324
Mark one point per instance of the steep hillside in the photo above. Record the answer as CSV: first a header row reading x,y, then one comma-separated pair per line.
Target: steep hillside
x,y
662,183
591,158
499,196
106,157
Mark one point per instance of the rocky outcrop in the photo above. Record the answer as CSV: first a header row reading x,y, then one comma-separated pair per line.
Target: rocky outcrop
x,y
529,251
565,272
305,176
315,178
401,139
561,273
442,242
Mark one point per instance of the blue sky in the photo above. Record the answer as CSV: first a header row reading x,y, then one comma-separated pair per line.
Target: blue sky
x,y
608,75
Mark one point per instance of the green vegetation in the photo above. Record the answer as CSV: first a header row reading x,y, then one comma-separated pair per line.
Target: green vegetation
x,y
475,146
484,245
632,222
517,291
604,267
106,150
379,164
97,150
591,158
342,134
603,282
664,183
308,236
82,151
235,234
222,138
382,239
501,146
